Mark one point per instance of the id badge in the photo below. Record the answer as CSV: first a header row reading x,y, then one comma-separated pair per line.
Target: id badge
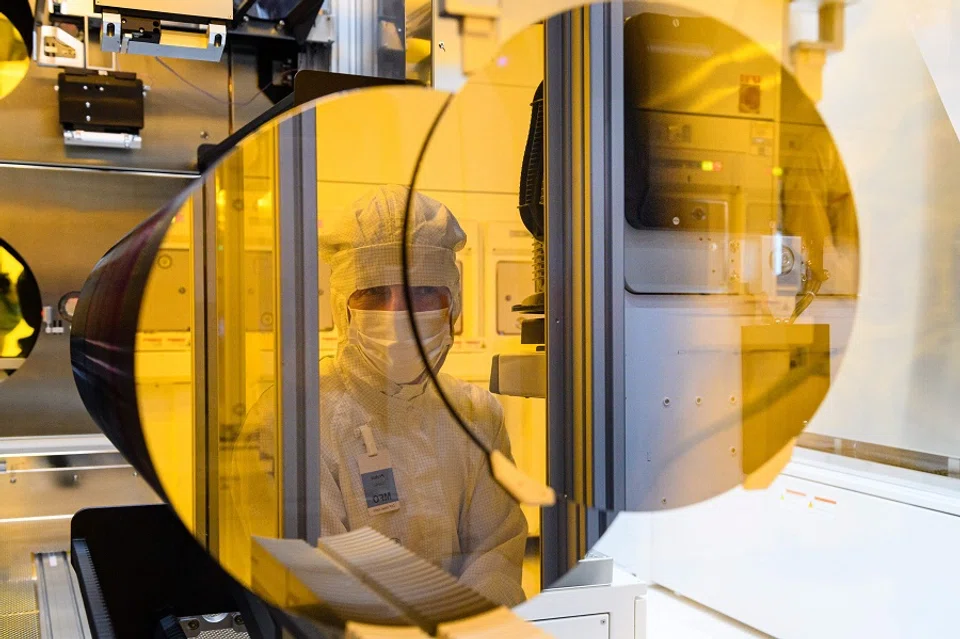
x,y
379,486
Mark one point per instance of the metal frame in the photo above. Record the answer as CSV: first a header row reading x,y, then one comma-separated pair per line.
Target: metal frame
x,y
584,296
58,598
298,349
205,368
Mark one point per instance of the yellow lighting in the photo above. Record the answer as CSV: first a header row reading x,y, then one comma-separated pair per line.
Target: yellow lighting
x,y
14,58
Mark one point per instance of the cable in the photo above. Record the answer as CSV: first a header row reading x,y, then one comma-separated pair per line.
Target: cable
x,y
260,90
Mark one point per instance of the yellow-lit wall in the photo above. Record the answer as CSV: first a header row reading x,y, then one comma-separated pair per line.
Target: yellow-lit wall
x,y
164,367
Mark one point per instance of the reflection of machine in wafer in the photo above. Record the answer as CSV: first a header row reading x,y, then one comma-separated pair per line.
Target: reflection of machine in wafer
x,y
734,195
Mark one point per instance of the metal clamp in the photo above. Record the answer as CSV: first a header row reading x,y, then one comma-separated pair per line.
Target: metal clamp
x,y
204,42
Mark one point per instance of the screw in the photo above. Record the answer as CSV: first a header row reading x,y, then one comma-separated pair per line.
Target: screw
x,y
734,246
442,46
699,401
101,89
193,624
136,474
87,104
603,622
238,620
676,221
733,400
13,480
76,479
182,290
666,401
664,501
676,22
246,18
85,87
56,87
88,118
204,135
733,451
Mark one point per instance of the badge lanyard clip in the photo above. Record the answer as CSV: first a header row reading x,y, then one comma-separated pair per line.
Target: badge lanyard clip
x,y
368,441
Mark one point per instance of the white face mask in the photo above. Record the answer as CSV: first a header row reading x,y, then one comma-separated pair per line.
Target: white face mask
x,y
386,340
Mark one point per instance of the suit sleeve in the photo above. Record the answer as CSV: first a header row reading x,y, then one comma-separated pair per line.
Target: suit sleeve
x,y
493,533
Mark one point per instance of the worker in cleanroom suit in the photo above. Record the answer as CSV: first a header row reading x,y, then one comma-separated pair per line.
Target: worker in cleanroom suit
x,y
379,410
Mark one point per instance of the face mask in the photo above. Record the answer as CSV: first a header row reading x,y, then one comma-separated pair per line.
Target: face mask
x,y
386,340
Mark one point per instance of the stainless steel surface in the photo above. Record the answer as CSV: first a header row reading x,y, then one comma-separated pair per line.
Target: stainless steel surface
x,y
43,446
357,37
59,493
19,615
43,209
520,375
60,606
15,465
214,626
593,570
41,487
174,115
205,45
102,140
